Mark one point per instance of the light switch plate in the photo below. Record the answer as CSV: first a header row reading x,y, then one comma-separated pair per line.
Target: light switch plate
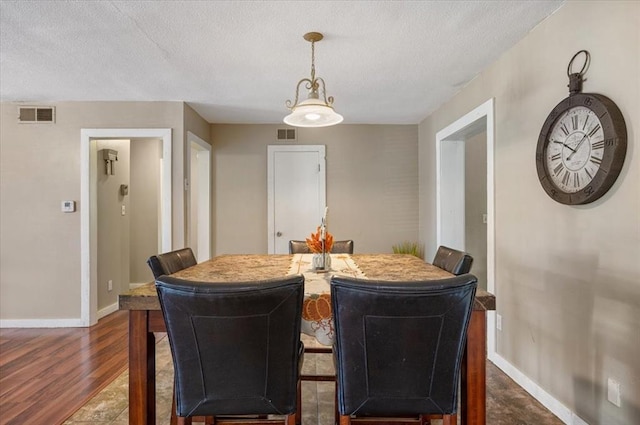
x,y
613,391
68,206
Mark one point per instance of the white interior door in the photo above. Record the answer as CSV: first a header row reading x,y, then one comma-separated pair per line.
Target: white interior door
x,y
296,193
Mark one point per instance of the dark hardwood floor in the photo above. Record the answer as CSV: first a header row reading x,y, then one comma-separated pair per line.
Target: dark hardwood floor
x,y
47,374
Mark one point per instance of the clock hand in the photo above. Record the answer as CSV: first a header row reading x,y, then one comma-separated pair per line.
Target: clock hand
x,y
577,147
563,144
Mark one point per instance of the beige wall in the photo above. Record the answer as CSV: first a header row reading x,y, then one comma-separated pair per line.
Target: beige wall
x,y
195,124
475,204
567,277
372,184
144,198
39,168
113,227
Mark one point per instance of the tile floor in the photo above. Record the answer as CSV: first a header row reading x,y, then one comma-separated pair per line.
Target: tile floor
x,y
507,403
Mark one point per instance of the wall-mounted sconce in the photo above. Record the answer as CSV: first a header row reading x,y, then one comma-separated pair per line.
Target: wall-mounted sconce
x,y
109,156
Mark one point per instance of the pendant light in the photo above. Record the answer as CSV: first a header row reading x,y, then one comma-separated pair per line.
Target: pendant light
x,y
317,109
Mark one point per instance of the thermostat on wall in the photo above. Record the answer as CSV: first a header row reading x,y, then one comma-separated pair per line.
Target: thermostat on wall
x,y
68,206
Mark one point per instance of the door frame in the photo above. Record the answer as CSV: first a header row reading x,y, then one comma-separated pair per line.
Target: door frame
x,y
271,151
204,194
88,227
450,151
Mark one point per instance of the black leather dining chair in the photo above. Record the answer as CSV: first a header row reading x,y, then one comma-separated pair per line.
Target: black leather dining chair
x,y
235,346
454,261
339,247
342,247
171,262
399,346
298,247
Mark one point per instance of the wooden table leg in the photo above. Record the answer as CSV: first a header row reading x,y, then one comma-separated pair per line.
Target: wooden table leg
x,y
473,403
142,367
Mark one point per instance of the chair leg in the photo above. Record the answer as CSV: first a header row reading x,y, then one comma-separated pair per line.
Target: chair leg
x,y
425,420
174,417
291,419
335,405
345,420
299,403
184,421
450,419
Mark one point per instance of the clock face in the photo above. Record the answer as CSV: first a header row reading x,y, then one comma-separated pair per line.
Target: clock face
x,y
581,148
574,149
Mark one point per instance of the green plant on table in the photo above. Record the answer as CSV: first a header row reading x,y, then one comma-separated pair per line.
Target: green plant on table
x,y
407,247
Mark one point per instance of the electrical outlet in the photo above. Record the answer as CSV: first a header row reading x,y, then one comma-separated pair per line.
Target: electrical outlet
x,y
110,285
613,391
499,322
124,210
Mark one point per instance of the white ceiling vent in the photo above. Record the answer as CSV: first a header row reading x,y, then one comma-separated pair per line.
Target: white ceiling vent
x,y
36,114
287,135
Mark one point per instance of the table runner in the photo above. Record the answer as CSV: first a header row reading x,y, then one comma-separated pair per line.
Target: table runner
x,y
317,320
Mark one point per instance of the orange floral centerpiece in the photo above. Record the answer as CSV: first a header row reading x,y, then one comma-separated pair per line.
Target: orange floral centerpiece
x,y
320,243
315,242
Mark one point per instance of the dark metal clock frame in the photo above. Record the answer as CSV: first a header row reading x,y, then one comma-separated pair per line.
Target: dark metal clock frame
x,y
615,141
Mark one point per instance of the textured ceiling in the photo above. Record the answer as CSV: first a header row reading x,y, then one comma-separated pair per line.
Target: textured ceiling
x,y
385,62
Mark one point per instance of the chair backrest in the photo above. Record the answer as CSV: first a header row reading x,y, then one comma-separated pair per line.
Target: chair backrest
x,y
452,260
342,247
171,262
298,247
398,345
235,345
339,247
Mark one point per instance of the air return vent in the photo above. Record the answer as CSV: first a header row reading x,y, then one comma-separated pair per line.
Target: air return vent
x,y
287,134
36,114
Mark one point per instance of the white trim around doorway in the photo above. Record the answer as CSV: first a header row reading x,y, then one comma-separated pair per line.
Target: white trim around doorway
x,y
88,270
481,116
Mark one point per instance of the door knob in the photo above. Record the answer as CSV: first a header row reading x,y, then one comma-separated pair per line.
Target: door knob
x,y
279,234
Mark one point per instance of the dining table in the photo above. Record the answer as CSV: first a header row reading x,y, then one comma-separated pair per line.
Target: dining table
x,y
145,316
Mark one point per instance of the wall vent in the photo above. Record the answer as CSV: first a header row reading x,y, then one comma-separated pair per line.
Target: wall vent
x,y
287,134
36,114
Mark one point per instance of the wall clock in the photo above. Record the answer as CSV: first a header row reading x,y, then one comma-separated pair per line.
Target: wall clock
x,y
582,144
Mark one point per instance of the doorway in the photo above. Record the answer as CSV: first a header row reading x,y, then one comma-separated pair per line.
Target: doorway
x,y
451,196
88,207
199,205
296,193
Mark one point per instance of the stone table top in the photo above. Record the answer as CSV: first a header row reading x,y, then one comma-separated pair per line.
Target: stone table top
x,y
248,267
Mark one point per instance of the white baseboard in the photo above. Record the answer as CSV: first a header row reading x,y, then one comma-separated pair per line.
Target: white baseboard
x,y
107,310
42,323
55,323
547,400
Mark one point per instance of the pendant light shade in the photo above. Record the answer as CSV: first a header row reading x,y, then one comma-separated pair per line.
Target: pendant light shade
x,y
317,109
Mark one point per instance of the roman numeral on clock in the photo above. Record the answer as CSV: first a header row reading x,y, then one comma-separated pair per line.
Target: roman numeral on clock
x,y
556,157
594,130
588,174
595,160
574,122
564,129
598,145
565,177
558,169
